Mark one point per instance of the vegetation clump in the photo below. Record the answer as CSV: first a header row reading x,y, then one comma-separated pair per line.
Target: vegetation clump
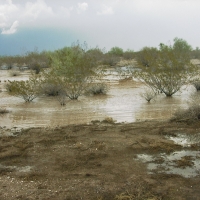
x,y
14,73
27,90
72,68
148,94
166,69
191,114
97,88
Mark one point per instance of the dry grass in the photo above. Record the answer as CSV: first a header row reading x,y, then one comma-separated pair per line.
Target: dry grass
x,y
192,113
187,115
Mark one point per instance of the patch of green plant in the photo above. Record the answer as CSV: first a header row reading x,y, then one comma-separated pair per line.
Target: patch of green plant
x,y
27,90
166,69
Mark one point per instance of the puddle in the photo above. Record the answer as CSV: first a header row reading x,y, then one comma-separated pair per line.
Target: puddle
x,y
185,140
184,163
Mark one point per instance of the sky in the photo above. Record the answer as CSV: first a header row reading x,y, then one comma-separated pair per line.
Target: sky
x,y
26,25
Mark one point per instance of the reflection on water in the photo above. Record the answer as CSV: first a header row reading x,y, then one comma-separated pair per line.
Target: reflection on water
x,y
123,103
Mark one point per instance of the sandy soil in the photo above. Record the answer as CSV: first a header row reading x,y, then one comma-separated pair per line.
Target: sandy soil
x,y
97,162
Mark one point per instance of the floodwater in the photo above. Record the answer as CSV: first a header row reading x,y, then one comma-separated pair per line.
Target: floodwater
x,y
171,164
185,140
123,103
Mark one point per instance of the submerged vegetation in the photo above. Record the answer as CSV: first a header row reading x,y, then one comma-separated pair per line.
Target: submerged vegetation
x,y
73,71
166,69
28,90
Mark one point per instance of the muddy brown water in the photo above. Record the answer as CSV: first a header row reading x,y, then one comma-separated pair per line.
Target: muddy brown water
x,y
123,103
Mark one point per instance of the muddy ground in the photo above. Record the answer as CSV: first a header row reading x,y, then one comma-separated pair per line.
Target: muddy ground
x,y
97,162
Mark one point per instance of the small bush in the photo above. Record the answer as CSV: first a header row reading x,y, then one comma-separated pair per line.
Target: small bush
x,y
62,98
109,120
51,89
148,94
14,73
192,113
188,115
110,60
97,88
27,90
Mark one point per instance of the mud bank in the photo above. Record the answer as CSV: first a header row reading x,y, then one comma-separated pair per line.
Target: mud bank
x,y
98,161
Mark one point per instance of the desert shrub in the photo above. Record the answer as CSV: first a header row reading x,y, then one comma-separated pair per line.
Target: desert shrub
x,y
62,98
14,73
72,68
166,69
117,51
51,89
97,88
96,53
37,61
148,94
110,60
129,54
28,90
196,84
192,113
186,115
109,120
36,67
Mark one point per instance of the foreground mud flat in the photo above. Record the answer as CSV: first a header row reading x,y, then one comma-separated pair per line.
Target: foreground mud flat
x,y
102,161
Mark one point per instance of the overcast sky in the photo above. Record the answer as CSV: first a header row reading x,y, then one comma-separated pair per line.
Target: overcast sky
x,y
129,24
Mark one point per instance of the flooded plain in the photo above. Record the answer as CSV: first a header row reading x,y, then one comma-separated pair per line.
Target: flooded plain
x,y
123,103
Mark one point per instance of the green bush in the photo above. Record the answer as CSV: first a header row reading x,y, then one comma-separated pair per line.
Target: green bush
x,y
166,69
28,90
51,89
110,60
73,68
117,51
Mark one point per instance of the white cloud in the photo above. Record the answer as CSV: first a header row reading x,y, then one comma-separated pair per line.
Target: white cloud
x,y
83,6
6,10
12,29
106,11
33,10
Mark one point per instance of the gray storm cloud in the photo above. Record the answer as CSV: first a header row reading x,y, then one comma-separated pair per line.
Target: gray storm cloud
x,y
125,23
